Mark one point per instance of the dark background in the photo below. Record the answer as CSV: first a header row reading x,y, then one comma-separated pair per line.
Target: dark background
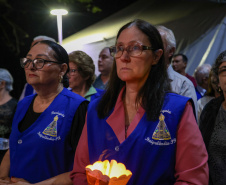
x,y
22,20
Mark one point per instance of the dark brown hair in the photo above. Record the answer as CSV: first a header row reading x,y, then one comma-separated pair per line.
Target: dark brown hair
x,y
153,91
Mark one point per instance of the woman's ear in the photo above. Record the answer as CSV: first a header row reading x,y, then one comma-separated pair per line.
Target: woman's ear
x,y
2,84
171,52
158,53
64,68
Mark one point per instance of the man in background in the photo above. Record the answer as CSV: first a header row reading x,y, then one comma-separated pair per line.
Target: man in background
x,y
179,83
201,75
105,62
28,89
179,64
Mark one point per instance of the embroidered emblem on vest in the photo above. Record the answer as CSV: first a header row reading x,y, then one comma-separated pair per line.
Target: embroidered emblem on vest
x,y
161,131
51,129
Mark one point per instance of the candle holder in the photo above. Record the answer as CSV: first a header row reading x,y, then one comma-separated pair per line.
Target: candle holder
x,y
105,173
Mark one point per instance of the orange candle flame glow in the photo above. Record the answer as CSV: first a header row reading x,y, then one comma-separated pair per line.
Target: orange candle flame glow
x,y
105,173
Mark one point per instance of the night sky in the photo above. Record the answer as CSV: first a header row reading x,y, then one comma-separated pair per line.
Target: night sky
x,y
22,20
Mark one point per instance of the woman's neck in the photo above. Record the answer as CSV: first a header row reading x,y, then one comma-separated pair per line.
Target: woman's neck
x,y
130,97
216,94
224,104
45,96
130,104
48,91
80,90
131,92
4,96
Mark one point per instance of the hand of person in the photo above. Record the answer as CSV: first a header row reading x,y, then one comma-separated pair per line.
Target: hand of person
x,y
19,181
5,180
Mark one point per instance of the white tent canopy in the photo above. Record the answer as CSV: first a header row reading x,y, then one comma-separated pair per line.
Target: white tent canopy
x,y
207,47
198,26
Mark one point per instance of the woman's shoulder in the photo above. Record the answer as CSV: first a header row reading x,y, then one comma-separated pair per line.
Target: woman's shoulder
x,y
215,103
205,98
94,103
100,90
71,95
13,102
27,99
10,104
177,96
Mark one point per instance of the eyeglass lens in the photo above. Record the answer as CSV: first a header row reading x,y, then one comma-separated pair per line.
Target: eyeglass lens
x,y
134,49
72,71
37,63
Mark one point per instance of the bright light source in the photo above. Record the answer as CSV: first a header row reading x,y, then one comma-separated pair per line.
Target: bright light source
x,y
59,12
79,43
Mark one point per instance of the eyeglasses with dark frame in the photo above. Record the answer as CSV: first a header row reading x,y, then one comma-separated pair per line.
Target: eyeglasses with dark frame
x,y
222,71
72,71
134,50
37,63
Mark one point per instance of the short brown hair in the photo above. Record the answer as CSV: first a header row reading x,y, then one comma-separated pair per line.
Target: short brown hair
x,y
85,64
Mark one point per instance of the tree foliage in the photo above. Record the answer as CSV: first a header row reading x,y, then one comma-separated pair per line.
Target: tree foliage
x,y
13,30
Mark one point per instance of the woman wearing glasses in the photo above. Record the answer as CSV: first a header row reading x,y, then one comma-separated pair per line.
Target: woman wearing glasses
x,y
213,125
46,126
82,75
138,122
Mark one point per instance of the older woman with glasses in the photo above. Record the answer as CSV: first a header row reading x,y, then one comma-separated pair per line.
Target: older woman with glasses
x,y
137,121
47,125
82,75
213,125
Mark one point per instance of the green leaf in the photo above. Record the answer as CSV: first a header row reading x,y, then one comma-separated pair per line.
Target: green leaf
x,y
96,9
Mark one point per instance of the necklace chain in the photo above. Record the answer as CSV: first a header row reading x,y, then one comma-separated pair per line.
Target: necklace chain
x,y
126,128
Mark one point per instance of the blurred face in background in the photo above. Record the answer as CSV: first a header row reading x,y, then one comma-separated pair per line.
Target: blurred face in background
x,y
222,77
75,79
105,61
214,84
178,64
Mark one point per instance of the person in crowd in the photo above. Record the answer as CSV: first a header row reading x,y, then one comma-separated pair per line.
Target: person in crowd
x,y
212,92
201,76
47,125
105,62
137,120
179,83
7,109
179,64
82,75
28,89
213,127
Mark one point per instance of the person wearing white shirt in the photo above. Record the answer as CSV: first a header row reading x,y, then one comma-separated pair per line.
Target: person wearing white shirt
x,y
179,83
201,76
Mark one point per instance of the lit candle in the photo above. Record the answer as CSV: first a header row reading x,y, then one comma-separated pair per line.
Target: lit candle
x,y
105,173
